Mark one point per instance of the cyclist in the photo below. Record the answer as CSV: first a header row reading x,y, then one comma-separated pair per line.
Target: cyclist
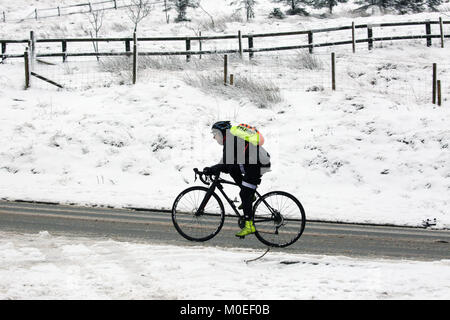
x,y
245,160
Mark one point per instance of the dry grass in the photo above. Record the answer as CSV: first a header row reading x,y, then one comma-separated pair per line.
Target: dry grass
x,y
169,63
262,93
305,60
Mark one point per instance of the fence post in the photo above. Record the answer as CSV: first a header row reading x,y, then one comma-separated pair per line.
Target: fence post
x,y
240,43
353,37
188,48
434,82
225,69
370,36
3,51
59,12
115,4
310,41
27,68
250,47
32,48
231,79
439,93
428,31
4,16
127,46
333,71
64,50
135,60
200,44
441,27
35,13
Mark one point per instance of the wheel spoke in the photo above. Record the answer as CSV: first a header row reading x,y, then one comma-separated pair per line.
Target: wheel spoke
x,y
276,232
190,224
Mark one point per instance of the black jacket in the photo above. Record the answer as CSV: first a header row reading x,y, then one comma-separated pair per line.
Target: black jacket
x,y
237,151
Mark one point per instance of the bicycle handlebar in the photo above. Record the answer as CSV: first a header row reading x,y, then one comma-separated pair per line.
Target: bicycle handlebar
x,y
202,176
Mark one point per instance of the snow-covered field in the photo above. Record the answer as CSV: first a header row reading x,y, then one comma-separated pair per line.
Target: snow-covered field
x,y
354,155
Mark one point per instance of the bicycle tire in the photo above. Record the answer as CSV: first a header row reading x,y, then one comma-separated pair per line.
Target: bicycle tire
x,y
195,227
279,233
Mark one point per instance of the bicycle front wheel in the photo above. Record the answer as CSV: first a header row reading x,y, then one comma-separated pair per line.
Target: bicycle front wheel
x,y
279,219
192,224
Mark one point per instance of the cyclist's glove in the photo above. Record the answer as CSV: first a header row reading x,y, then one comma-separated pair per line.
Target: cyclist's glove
x,y
208,171
212,170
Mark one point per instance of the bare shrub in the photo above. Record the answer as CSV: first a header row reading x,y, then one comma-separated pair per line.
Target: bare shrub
x,y
138,10
96,21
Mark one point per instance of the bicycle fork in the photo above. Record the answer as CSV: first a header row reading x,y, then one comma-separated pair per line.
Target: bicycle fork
x,y
205,200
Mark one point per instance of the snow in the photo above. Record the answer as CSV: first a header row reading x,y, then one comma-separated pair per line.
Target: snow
x,y
44,266
367,153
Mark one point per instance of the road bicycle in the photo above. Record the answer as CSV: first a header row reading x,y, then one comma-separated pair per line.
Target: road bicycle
x,y
198,213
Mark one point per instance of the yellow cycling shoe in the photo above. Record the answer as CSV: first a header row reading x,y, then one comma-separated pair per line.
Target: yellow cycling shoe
x,y
248,229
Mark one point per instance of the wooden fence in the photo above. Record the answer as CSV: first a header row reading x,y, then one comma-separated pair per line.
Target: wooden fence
x,y
80,8
250,38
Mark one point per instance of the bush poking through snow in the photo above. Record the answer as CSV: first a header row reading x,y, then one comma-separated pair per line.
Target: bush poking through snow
x,y
277,14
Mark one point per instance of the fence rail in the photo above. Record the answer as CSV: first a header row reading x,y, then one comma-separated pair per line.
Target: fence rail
x,y
84,8
406,81
239,49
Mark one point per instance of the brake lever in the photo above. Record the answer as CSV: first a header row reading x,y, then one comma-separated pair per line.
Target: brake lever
x,y
204,179
196,173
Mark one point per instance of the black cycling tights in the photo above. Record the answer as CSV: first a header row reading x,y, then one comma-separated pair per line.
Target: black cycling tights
x,y
251,176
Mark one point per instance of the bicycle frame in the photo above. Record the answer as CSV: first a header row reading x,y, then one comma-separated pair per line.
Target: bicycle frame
x,y
217,183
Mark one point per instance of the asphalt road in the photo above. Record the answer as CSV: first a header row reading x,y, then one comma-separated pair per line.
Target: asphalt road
x,y
156,227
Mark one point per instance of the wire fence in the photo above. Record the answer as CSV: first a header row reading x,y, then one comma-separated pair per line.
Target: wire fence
x,y
355,36
70,63
75,74
402,81
66,10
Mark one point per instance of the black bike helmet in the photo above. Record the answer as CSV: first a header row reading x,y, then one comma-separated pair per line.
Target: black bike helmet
x,y
221,125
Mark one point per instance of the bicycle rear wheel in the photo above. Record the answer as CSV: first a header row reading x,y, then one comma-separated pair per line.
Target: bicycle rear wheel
x,y
192,224
279,219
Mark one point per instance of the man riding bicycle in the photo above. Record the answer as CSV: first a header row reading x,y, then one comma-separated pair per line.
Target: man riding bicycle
x,y
245,160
